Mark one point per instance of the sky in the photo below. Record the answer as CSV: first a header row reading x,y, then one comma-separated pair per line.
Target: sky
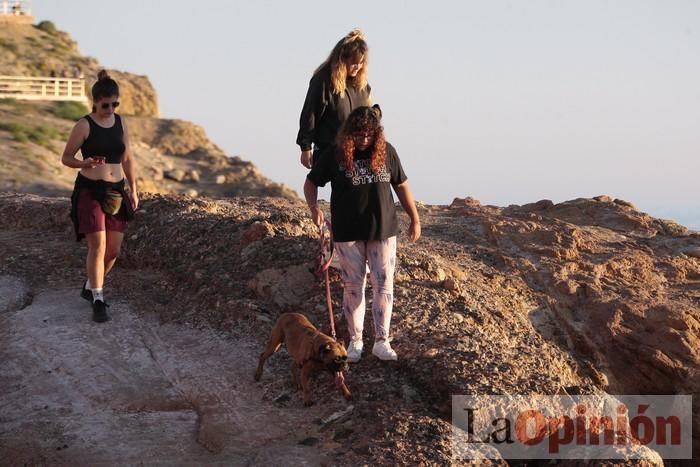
x,y
509,102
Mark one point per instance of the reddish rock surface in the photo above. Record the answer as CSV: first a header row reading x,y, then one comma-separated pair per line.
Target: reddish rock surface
x,y
583,297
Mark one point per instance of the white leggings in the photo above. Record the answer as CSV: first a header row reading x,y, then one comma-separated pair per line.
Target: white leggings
x,y
353,258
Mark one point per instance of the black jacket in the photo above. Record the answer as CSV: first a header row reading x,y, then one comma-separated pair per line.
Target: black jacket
x,y
98,190
324,112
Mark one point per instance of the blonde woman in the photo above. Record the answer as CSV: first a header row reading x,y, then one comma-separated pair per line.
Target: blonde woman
x,y
338,86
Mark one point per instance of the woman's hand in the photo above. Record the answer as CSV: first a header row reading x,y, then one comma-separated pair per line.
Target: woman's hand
x,y
405,195
134,197
317,215
307,158
92,162
414,231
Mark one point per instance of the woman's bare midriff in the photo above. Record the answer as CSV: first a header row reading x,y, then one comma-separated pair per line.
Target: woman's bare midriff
x,y
107,172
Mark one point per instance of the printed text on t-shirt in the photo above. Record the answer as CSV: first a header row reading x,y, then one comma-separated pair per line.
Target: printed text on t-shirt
x,y
362,173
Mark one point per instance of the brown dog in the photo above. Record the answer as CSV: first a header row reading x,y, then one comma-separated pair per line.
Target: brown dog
x,y
310,349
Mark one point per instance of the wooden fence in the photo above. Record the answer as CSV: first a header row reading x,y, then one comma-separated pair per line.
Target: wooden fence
x,y
43,89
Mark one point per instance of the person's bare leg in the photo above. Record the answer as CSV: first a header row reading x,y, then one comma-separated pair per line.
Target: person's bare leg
x,y
97,246
95,263
113,247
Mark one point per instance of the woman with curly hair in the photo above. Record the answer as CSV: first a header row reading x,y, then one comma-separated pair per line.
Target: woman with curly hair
x,y
101,206
362,169
338,86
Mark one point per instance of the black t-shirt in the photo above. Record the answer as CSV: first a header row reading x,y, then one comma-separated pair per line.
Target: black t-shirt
x,y
362,205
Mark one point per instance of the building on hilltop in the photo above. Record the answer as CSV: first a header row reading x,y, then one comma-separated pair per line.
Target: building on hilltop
x,y
18,11
44,88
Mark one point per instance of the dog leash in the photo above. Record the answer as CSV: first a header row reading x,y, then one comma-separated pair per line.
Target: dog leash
x,y
324,264
326,239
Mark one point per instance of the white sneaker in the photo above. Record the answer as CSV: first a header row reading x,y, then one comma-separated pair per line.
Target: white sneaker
x,y
383,351
355,350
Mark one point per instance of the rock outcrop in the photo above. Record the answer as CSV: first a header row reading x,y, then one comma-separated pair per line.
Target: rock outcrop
x,y
28,50
173,156
589,296
583,297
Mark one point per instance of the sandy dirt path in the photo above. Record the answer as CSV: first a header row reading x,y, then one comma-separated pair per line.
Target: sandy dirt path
x,y
135,392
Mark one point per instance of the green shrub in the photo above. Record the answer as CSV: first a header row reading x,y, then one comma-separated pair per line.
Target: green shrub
x,y
48,27
19,132
59,48
9,45
19,107
69,110
41,135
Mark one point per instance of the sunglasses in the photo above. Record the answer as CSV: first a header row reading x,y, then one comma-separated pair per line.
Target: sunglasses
x,y
106,105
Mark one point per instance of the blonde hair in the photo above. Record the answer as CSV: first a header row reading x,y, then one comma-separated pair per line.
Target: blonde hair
x,y
352,45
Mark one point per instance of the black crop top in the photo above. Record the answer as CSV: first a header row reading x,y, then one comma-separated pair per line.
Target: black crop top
x,y
108,142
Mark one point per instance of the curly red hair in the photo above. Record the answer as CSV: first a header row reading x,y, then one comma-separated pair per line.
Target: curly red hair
x,y
363,120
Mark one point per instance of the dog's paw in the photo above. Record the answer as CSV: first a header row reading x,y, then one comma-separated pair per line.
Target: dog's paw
x,y
347,396
308,403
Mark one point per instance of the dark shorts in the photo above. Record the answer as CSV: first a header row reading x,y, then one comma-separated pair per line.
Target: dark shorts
x,y
91,217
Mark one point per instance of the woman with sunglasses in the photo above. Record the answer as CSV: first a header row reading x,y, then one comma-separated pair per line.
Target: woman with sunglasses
x,y
100,204
363,168
338,86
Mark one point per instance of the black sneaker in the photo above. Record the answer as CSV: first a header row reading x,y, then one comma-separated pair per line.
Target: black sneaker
x,y
86,293
99,311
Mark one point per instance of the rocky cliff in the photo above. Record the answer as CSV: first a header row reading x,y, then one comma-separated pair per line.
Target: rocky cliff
x,y
173,156
583,297
588,296
28,50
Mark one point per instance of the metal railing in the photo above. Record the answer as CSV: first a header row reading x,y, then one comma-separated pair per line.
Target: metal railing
x,y
43,89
